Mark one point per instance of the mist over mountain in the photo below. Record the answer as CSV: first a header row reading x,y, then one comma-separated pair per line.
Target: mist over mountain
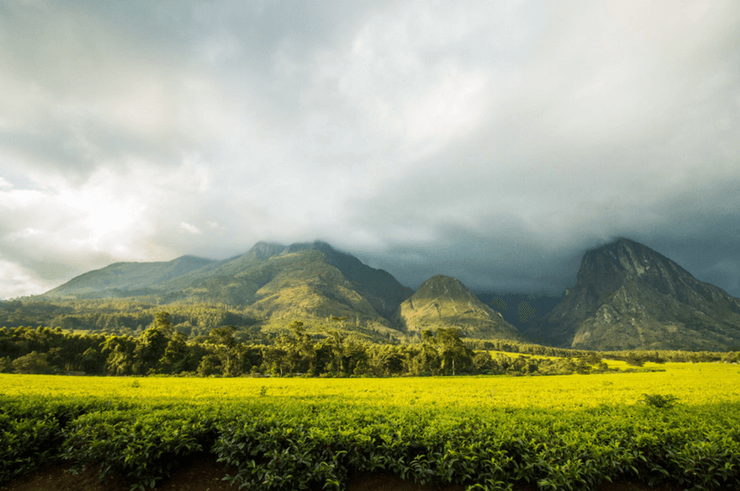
x,y
520,309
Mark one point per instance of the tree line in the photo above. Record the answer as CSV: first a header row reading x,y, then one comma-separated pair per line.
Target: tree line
x,y
124,317
632,357
161,349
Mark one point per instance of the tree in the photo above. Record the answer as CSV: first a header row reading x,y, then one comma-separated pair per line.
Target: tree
x,y
223,335
355,359
591,358
120,351
176,355
336,342
452,350
275,359
223,343
427,361
33,362
387,360
209,365
634,359
152,344
92,361
483,362
299,349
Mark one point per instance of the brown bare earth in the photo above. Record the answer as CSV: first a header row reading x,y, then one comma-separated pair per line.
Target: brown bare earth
x,y
205,474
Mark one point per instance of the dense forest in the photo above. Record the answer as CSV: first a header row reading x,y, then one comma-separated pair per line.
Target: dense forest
x,y
124,317
161,349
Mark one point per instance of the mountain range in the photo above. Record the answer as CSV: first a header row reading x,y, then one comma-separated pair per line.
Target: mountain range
x,y
626,296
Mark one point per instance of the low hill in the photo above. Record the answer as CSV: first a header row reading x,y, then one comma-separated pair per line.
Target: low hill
x,y
443,301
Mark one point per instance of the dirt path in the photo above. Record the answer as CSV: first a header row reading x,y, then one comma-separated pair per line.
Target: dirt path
x,y
205,475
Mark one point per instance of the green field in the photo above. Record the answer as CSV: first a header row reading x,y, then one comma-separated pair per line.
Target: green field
x,y
679,427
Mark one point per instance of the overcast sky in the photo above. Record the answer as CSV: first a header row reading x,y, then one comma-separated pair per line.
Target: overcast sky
x,y
494,141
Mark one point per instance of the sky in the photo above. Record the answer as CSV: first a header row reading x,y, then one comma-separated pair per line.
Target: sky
x,y
493,141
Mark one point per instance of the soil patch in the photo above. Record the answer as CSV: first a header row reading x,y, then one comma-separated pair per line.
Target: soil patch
x,y
203,473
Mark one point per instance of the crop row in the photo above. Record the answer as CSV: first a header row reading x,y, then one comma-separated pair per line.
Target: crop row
x,y
273,443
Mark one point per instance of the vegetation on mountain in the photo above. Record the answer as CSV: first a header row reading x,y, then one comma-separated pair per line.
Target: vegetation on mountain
x,y
443,301
266,286
627,297
278,426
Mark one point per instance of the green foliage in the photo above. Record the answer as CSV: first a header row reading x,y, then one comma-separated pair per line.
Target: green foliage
x,y
33,430
298,349
274,443
31,363
142,447
659,401
635,360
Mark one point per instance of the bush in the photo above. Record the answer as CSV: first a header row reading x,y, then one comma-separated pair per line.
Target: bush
x,y
659,401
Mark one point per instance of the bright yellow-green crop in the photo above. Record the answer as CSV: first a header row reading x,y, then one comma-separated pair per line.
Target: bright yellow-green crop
x,y
693,384
556,432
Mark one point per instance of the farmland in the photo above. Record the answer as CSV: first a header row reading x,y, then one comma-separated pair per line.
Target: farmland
x,y
675,427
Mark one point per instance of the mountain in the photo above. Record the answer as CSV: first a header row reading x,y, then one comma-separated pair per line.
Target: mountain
x,y
308,281
126,279
628,296
443,301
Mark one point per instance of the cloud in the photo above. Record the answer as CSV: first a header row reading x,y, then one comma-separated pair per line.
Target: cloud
x,y
492,141
191,229
19,281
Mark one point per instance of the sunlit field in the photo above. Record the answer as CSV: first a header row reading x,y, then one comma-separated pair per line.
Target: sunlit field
x,y
693,384
678,427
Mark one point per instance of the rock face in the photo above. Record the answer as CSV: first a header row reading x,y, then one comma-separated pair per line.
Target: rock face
x,y
443,301
628,296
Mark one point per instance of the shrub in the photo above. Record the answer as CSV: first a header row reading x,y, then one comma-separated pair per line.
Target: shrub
x,y
659,401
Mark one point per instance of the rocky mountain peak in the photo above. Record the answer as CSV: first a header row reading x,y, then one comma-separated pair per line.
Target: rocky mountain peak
x,y
629,296
605,268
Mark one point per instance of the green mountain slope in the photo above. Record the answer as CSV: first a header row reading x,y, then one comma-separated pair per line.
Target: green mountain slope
x,y
443,301
628,296
275,283
127,279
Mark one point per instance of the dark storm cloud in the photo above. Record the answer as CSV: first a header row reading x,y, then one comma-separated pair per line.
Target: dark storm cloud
x,y
491,141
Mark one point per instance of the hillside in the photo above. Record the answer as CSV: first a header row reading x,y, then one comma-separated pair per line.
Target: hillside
x,y
127,279
626,296
276,284
443,301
